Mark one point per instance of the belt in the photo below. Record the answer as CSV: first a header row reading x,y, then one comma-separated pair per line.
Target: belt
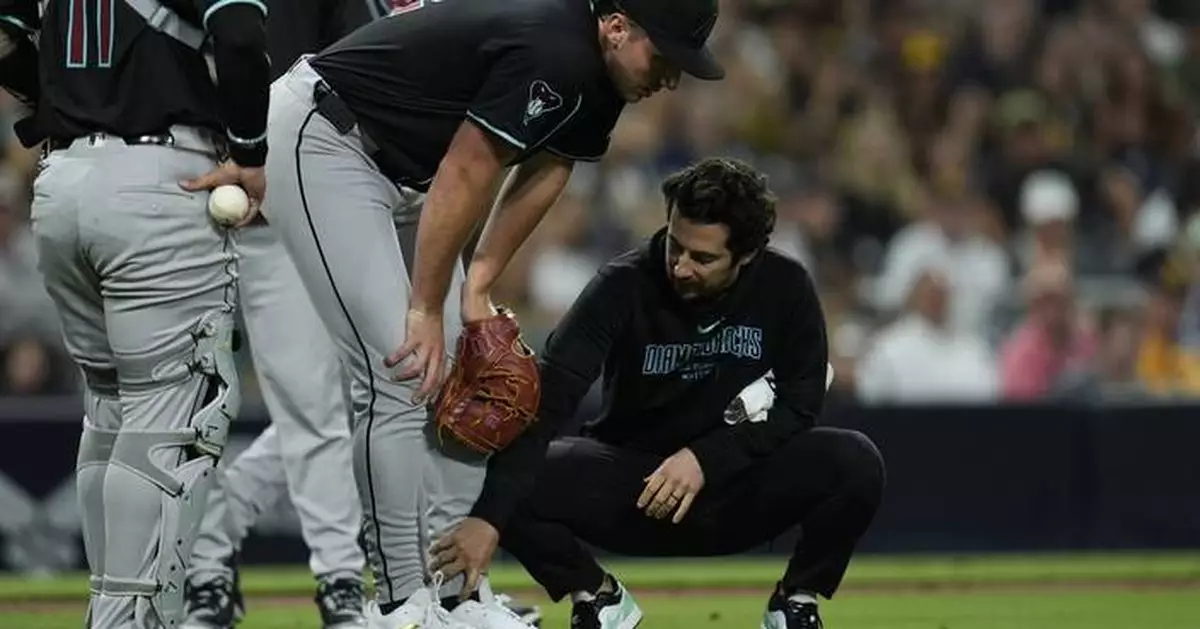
x,y
164,139
338,113
190,142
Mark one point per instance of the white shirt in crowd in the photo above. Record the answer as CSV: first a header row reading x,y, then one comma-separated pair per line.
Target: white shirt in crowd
x,y
913,362
975,267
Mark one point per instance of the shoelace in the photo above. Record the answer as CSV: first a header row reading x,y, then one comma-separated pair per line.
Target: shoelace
x,y
435,614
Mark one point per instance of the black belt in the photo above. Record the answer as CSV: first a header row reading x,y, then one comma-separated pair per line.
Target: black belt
x,y
157,139
334,109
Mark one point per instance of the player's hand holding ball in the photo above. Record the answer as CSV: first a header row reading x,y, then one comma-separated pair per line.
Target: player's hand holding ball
x,y
672,487
227,206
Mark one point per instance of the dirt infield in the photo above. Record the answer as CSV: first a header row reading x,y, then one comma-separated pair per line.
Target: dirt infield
x,y
897,589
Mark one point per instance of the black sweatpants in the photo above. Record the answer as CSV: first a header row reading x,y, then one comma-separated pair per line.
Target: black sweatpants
x,y
827,480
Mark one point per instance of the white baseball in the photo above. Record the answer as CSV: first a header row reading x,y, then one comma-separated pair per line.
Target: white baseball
x,y
228,204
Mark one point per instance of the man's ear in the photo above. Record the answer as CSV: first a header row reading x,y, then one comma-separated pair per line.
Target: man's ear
x,y
617,29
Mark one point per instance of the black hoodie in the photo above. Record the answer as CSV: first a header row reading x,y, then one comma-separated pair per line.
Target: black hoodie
x,y
670,368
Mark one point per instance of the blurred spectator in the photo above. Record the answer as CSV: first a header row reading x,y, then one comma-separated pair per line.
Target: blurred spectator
x,y
1049,206
1112,374
977,269
921,359
24,304
1165,366
560,268
33,368
1053,341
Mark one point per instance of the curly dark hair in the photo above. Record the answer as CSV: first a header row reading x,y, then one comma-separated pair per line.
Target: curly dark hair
x,y
725,191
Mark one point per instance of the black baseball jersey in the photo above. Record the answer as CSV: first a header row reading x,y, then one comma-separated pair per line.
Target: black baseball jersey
x,y
104,68
670,368
528,71
299,27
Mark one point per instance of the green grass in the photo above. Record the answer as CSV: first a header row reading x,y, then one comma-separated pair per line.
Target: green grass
x,y
1093,600
749,573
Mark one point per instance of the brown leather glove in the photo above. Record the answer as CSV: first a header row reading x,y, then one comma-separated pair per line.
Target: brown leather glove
x,y
494,387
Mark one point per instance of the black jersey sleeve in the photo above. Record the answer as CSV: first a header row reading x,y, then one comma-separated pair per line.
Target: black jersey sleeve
x,y
532,92
19,24
573,358
587,139
238,29
20,16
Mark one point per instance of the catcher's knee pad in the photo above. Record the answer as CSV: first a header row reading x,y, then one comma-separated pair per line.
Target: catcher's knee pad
x,y
186,487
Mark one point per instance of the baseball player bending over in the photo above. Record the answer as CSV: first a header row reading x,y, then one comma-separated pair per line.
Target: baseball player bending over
x,y
142,278
394,140
715,369
305,451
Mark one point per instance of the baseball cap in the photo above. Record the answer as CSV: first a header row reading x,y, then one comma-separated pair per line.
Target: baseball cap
x,y
679,29
1048,196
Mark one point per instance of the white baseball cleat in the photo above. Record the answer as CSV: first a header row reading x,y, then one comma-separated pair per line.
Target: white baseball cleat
x,y
492,615
421,611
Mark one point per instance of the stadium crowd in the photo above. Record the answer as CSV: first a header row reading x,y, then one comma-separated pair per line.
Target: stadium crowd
x,y
997,198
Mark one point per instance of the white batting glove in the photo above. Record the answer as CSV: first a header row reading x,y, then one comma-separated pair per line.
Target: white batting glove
x,y
753,403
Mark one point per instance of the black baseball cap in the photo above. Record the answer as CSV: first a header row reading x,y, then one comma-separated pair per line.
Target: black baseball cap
x,y
679,29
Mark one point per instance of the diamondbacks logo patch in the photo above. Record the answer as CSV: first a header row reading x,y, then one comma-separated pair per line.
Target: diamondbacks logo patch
x,y
542,99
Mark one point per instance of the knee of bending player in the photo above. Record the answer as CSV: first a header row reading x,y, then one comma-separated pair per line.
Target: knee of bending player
x,y
859,466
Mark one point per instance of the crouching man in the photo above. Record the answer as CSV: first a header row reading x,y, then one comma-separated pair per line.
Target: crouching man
x,y
714,361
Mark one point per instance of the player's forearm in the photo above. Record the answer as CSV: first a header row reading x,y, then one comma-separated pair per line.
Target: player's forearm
x,y
573,359
534,188
512,474
243,79
457,201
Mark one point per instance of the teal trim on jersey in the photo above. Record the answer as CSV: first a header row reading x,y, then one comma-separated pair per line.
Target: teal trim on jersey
x,y
494,129
517,143
224,3
17,23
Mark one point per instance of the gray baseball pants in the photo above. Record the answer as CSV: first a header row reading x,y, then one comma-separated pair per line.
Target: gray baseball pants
x,y
305,452
142,280
351,233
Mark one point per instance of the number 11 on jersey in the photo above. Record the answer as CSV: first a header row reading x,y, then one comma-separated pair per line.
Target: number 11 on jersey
x,y
94,18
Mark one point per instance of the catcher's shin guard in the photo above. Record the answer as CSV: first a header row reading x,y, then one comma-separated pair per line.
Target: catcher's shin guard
x,y
186,487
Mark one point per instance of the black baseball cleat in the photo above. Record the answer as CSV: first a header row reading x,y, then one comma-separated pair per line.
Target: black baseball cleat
x,y
609,610
239,601
208,605
341,603
784,613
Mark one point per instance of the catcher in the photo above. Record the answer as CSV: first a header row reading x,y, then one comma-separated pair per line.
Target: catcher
x,y
715,369
394,140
